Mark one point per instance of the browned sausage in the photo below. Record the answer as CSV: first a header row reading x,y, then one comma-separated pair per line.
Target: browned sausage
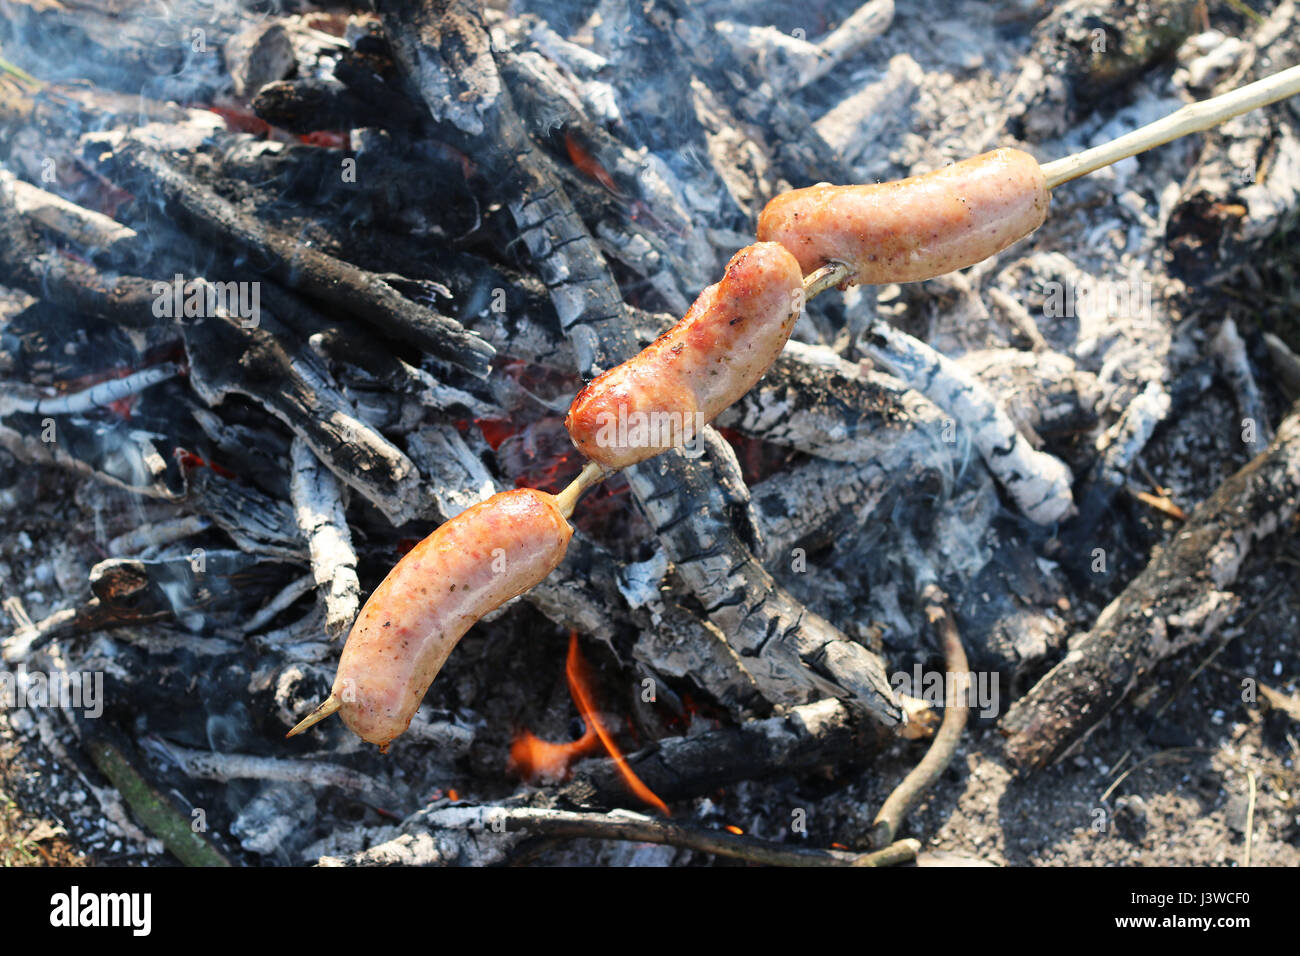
x,y
663,396
914,228
477,561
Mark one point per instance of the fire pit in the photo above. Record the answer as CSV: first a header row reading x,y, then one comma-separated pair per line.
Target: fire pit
x,y
283,292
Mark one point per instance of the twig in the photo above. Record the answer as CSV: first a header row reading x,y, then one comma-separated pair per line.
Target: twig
x,y
1167,753
97,396
956,709
1192,118
637,827
152,808
224,767
290,593
1250,817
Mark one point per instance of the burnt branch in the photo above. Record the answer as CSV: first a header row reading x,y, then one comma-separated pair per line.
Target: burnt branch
x,y
364,294
319,508
1179,601
824,733
227,357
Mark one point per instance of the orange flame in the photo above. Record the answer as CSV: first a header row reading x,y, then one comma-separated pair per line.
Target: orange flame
x,y
575,669
533,758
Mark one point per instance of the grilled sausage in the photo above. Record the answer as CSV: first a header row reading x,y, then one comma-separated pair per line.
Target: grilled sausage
x,y
662,397
474,563
914,228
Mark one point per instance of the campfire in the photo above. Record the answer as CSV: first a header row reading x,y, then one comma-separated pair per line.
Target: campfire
x,y
283,294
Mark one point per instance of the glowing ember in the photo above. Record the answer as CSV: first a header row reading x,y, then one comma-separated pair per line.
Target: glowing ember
x,y
588,165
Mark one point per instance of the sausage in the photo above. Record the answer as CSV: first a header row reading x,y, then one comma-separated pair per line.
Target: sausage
x,y
483,557
914,228
663,396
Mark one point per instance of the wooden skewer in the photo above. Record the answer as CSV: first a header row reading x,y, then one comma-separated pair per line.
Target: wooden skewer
x,y
1192,118
330,706
827,277
591,474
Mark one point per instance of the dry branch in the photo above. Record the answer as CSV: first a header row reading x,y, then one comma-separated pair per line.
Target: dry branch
x,y
944,746
1180,600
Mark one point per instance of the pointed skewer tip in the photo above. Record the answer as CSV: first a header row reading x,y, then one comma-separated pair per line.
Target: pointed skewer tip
x,y
330,706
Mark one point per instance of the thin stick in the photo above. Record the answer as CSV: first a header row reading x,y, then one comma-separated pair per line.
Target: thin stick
x,y
1250,817
827,277
636,827
330,706
896,807
591,474
1192,118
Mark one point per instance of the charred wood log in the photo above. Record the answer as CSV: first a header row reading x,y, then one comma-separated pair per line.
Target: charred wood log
x,y
312,103
1179,601
257,523
366,295
229,357
812,735
74,285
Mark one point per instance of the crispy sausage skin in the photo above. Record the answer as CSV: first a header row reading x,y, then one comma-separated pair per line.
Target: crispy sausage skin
x,y
685,378
434,595
914,228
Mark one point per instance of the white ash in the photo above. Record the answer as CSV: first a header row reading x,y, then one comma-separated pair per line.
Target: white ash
x,y
319,509
791,62
1234,364
640,582
1119,446
863,119
1038,483
268,823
